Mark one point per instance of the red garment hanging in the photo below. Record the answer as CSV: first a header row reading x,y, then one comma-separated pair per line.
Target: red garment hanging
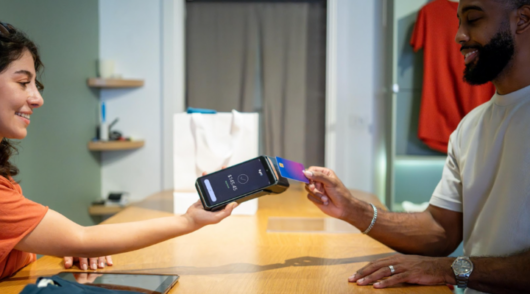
x,y
446,98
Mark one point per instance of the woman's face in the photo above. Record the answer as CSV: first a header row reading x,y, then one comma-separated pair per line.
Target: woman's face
x,y
18,97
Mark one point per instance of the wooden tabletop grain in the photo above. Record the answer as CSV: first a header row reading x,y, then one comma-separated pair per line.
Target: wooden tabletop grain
x,y
289,246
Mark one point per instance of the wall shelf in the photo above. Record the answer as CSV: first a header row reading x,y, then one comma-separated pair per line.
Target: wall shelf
x,y
114,145
99,210
114,83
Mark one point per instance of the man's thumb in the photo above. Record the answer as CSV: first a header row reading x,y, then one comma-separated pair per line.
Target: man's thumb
x,y
318,177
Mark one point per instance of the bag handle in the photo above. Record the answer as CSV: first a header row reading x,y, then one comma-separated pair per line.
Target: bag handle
x,y
211,150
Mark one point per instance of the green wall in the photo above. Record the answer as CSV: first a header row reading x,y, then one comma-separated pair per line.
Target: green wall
x,y
57,169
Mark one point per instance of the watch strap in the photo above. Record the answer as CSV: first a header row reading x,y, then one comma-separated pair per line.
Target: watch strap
x,y
461,283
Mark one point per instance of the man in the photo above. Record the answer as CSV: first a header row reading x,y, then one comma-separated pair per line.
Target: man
x,y
483,197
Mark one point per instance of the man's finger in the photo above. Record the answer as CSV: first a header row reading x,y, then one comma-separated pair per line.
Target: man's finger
x,y
314,190
306,187
318,176
323,198
368,269
319,186
393,280
68,261
375,276
314,199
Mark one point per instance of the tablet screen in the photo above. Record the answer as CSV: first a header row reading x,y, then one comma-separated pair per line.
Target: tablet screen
x,y
144,283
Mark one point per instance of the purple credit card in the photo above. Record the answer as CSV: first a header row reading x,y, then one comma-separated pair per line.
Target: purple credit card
x,y
291,170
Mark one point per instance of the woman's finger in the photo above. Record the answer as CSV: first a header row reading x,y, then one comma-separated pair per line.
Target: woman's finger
x,y
68,261
205,173
225,212
93,261
109,260
81,278
83,263
102,262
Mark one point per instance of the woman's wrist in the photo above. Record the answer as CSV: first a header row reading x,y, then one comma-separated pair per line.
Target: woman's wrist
x,y
190,224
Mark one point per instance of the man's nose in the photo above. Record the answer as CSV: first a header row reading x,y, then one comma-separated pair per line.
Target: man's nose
x,y
461,36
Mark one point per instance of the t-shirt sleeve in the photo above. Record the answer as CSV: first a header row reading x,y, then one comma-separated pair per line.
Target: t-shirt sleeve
x,y
448,192
418,34
18,216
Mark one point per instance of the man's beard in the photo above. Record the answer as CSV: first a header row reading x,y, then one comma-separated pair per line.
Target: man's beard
x,y
493,58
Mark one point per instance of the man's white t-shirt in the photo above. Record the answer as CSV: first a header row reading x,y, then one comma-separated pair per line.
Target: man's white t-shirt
x,y
487,176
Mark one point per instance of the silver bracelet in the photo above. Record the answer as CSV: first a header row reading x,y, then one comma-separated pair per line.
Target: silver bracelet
x,y
373,220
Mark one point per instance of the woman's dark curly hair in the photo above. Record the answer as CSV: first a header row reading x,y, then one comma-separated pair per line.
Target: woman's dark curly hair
x,y
13,43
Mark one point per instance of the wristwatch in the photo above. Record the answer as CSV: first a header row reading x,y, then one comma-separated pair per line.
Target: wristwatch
x,y
462,267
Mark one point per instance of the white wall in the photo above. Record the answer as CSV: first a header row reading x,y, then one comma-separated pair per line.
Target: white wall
x,y
352,132
173,79
130,34
145,38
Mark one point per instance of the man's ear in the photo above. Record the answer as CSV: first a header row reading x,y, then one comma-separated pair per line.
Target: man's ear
x,y
523,19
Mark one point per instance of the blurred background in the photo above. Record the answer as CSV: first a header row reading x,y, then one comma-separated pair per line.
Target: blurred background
x,y
335,84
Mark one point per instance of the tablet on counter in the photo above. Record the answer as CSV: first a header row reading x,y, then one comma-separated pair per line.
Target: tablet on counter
x,y
143,283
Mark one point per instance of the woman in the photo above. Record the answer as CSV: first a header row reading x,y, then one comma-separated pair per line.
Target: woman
x,y
26,227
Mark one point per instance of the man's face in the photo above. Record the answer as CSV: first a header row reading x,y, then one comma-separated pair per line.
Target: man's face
x,y
486,39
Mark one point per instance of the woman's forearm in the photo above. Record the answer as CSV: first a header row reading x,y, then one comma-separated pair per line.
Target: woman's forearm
x,y
56,235
110,239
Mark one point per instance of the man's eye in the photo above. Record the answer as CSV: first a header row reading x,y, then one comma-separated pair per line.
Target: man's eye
x,y
474,16
24,84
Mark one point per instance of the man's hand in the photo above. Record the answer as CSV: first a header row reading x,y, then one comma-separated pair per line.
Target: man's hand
x,y
411,269
95,263
327,192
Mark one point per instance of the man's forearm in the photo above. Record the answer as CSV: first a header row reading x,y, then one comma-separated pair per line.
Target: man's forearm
x,y
501,274
413,233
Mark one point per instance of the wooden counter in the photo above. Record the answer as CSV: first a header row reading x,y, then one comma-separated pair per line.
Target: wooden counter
x,y
240,255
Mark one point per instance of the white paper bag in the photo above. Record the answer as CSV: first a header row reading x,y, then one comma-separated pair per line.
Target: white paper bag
x,y
206,142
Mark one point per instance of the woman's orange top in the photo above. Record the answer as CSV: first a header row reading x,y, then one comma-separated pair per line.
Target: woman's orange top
x,y
18,217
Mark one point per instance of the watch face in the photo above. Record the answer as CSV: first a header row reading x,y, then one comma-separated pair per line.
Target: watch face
x,y
463,266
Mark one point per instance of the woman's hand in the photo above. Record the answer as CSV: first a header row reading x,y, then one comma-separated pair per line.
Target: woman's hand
x,y
95,262
198,217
